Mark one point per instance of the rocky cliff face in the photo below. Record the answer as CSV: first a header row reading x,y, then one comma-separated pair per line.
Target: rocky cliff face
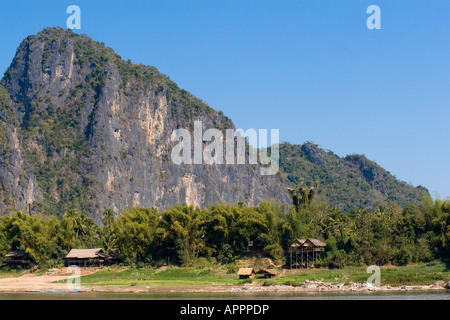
x,y
18,186
83,129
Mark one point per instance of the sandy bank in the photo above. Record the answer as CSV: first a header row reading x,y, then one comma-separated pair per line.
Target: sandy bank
x,y
46,282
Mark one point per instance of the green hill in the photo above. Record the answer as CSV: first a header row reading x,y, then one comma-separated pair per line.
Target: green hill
x,y
347,183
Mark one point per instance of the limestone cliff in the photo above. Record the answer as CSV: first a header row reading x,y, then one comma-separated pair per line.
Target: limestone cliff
x,y
86,130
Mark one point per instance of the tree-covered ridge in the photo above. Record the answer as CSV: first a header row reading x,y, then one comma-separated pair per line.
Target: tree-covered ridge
x,y
222,233
346,183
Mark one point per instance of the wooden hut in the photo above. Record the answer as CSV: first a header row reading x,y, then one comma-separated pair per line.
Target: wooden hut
x,y
267,273
304,252
19,258
88,258
245,273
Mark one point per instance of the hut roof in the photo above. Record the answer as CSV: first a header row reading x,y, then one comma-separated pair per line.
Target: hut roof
x,y
270,271
245,271
317,243
298,242
86,253
16,254
307,242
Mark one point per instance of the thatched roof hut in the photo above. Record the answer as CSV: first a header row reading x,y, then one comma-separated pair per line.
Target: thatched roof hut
x,y
85,253
304,252
87,257
18,254
310,242
316,243
298,243
267,273
245,273
19,258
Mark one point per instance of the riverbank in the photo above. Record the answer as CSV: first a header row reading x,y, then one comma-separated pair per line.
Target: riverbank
x,y
420,277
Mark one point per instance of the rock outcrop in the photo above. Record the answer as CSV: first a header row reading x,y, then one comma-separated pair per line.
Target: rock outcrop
x,y
90,131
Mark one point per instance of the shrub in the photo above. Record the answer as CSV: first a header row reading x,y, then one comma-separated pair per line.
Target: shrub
x,y
225,254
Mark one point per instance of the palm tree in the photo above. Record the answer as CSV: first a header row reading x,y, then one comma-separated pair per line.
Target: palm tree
x,y
108,217
70,219
80,223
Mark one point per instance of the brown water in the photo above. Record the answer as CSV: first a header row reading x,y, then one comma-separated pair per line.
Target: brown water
x,y
417,295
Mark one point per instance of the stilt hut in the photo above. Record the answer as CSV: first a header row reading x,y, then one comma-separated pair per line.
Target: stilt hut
x,y
88,258
19,258
304,252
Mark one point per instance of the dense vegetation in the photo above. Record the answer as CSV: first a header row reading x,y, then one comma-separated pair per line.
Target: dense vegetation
x,y
187,235
347,183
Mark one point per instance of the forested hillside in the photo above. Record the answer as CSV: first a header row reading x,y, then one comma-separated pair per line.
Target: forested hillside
x,y
346,183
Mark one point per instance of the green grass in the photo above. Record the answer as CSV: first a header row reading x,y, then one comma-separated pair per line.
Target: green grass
x,y
7,272
415,274
418,274
172,276
298,277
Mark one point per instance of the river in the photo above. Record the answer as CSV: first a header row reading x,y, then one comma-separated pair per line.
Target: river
x,y
416,295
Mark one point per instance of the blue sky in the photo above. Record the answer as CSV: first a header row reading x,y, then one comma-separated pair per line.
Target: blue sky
x,y
311,69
